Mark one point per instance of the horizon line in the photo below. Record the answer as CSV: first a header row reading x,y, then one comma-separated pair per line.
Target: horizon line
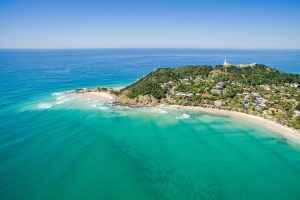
x,y
175,48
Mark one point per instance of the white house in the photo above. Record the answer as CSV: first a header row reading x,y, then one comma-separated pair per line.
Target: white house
x,y
226,63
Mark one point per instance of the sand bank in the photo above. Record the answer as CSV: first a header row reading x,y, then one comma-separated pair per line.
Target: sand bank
x,y
104,97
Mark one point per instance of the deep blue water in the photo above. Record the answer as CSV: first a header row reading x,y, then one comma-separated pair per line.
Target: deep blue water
x,y
73,151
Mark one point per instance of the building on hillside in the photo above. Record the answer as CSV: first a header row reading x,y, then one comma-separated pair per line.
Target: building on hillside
x,y
226,63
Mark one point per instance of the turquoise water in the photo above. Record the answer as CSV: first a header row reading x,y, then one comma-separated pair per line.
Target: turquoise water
x,y
52,147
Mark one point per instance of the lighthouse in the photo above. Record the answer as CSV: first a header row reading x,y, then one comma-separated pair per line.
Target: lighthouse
x,y
225,62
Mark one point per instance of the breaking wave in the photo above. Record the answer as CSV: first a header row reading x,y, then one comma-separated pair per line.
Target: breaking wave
x,y
44,105
71,100
183,116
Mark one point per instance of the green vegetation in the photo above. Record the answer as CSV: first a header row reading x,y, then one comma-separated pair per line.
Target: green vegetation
x,y
150,84
257,90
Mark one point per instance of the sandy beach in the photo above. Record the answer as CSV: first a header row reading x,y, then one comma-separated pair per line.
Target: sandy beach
x,y
104,97
292,135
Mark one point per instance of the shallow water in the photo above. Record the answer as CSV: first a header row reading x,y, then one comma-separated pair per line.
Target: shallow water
x,y
55,147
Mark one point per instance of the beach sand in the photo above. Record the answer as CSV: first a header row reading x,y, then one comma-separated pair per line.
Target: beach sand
x,y
104,97
292,135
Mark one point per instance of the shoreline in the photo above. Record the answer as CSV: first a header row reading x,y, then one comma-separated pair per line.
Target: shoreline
x,y
286,132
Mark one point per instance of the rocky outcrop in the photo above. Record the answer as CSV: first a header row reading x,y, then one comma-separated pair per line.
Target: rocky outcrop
x,y
142,100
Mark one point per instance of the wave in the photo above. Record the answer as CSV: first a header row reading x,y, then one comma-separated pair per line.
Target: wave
x,y
71,100
183,116
156,110
44,105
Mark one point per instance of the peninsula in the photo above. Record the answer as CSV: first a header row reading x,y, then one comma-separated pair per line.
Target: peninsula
x,y
253,89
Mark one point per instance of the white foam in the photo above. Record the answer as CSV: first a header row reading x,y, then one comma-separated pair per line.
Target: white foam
x,y
70,99
56,93
157,110
59,102
183,116
62,93
44,105
60,97
162,111
102,107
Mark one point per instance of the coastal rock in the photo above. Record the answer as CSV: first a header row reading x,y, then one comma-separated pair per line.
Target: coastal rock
x,y
218,103
125,100
147,100
141,100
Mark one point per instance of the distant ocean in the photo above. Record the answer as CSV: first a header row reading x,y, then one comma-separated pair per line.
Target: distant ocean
x,y
52,147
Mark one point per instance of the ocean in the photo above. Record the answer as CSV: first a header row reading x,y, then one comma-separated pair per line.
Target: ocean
x,y
55,147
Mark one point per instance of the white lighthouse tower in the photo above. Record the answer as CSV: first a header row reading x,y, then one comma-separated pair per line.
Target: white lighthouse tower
x,y
225,62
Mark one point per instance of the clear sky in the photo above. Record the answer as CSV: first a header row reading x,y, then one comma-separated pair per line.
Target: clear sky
x,y
150,24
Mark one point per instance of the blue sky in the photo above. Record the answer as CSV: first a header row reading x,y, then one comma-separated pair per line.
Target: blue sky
x,y
150,24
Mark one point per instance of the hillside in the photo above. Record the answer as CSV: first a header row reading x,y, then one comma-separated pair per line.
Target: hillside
x,y
257,90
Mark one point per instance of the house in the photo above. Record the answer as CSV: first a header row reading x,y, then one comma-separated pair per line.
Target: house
x,y
227,64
